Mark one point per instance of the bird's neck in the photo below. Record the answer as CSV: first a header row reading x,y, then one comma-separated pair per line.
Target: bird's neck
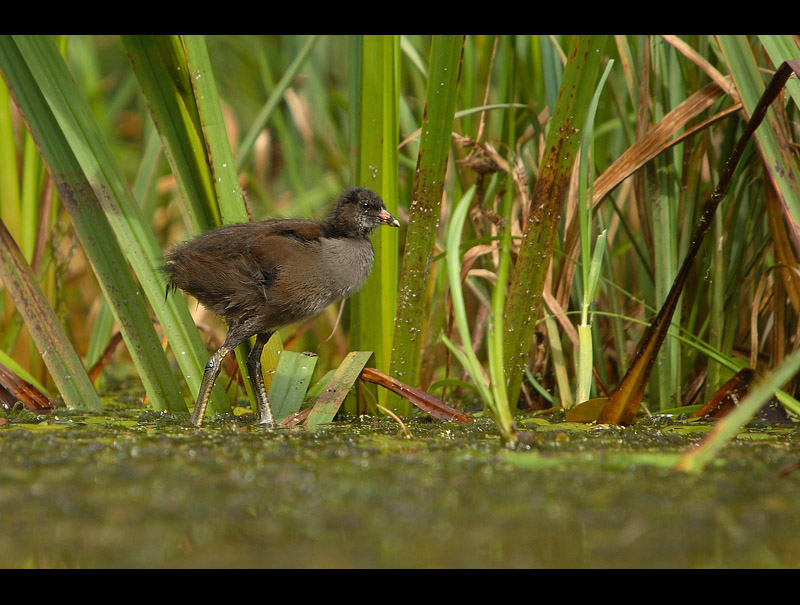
x,y
335,227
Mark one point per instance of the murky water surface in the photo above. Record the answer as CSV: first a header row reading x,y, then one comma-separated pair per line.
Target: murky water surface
x,y
139,489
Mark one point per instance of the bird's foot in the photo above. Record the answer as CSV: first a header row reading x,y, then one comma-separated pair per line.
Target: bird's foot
x,y
266,424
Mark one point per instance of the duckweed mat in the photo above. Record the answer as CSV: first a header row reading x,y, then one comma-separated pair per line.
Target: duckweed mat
x,y
134,489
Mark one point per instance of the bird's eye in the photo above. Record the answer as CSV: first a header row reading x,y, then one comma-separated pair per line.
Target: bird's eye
x,y
365,205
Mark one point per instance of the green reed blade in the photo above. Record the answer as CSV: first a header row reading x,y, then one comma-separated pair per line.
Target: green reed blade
x,y
246,148
9,173
625,399
132,231
44,326
424,211
495,330
590,262
96,236
220,163
498,408
173,114
373,309
339,386
290,383
778,159
218,150
467,357
524,298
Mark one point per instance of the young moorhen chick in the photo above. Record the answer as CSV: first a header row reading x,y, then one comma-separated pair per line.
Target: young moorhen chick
x,y
265,275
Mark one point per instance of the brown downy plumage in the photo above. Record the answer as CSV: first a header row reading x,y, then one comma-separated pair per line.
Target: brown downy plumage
x,y
265,275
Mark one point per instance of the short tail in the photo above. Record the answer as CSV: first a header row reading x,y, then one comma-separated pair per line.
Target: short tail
x,y
166,269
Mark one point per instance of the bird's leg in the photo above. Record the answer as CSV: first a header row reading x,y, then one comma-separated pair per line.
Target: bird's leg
x,y
209,377
257,379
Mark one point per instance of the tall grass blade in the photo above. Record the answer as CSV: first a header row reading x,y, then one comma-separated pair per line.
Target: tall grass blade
x,y
132,231
218,149
60,358
162,69
590,263
276,95
340,385
10,210
373,309
164,82
423,221
290,383
524,299
91,225
773,146
498,409
664,192
20,188
495,332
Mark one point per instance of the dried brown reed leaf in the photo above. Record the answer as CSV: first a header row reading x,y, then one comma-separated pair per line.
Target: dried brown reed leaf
x,y
661,137
778,296
727,397
105,357
302,116
471,255
480,161
658,139
484,273
425,401
781,242
15,389
560,315
488,87
724,82
754,312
